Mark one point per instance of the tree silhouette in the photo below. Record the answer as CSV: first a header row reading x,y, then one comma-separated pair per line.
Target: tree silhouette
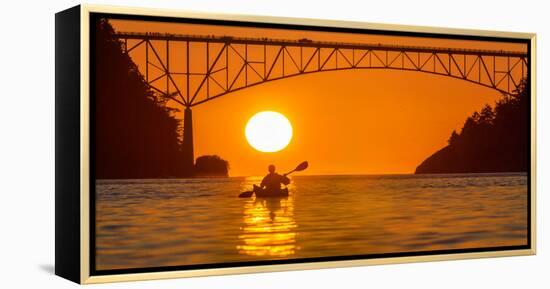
x,y
136,136
492,140
453,139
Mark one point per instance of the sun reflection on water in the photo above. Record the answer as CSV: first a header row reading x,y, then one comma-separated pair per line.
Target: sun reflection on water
x,y
268,226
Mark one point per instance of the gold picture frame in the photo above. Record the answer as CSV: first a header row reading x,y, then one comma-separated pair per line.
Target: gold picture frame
x,y
73,144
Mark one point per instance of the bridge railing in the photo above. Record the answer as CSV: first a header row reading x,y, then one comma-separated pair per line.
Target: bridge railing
x,y
304,42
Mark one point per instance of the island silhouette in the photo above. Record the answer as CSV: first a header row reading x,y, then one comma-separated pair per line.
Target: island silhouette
x,y
211,166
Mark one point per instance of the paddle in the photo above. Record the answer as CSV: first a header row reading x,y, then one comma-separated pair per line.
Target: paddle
x,y
299,168
302,166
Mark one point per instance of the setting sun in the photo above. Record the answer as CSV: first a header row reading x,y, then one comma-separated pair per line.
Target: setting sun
x,y
268,131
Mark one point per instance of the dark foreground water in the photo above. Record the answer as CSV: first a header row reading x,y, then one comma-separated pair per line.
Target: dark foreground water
x,y
153,223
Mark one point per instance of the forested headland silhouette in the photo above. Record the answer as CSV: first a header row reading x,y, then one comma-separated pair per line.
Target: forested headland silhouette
x,y
136,134
491,140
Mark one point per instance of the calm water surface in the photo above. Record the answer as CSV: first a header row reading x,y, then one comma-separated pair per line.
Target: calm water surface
x,y
153,223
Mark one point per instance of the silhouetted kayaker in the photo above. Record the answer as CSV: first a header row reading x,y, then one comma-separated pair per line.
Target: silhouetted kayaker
x,y
271,183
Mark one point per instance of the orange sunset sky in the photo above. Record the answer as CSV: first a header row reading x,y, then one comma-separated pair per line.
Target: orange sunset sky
x,y
344,122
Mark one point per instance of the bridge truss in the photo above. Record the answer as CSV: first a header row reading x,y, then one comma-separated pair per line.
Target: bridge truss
x,y
192,70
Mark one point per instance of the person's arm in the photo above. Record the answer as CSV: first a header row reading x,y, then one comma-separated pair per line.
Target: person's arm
x,y
262,184
285,180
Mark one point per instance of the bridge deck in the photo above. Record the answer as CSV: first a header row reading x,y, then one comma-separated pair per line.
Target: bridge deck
x,y
315,44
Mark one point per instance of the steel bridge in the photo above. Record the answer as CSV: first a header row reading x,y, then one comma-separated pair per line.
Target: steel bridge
x,y
194,69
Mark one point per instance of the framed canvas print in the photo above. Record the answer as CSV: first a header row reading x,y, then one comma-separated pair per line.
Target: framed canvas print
x,y
192,144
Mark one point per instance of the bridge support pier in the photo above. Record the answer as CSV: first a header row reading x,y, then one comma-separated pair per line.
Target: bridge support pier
x,y
188,154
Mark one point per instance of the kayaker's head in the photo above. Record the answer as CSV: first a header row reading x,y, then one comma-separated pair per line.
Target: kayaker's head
x,y
271,168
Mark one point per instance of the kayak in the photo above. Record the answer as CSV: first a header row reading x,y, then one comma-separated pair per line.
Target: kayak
x,y
262,193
